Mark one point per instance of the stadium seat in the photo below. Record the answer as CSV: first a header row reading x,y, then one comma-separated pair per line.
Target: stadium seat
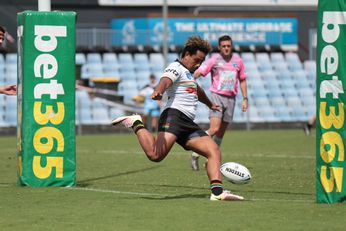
x,y
80,59
277,101
248,57
266,113
310,65
156,62
284,75
172,57
115,112
92,70
94,58
11,58
126,75
277,57
126,62
280,66
283,114
261,101
100,116
254,115
85,116
109,58
263,62
299,114
2,59
202,115
141,62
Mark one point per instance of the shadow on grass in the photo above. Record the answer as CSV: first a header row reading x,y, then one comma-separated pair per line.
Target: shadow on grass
x,y
86,182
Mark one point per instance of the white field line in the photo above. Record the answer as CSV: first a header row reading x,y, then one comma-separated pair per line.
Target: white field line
x,y
258,155
173,195
116,191
166,195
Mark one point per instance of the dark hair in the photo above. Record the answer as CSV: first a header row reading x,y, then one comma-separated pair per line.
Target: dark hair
x,y
225,38
2,29
194,44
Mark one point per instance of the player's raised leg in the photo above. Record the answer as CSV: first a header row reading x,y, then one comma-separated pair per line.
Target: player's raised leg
x,y
156,149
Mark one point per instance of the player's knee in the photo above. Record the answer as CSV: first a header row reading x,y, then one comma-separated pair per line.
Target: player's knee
x,y
154,157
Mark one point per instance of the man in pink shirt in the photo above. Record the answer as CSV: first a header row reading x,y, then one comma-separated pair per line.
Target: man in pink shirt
x,y
227,72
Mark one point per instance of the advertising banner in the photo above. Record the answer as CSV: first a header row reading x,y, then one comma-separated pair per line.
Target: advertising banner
x,y
244,31
46,99
330,98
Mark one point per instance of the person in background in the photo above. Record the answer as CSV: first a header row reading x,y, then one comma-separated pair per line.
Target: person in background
x,y
151,107
227,71
176,121
309,125
7,89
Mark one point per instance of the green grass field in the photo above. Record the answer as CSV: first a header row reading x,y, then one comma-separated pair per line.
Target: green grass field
x,y
119,189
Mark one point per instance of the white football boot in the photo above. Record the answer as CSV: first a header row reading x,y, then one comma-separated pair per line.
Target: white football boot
x,y
226,196
127,121
194,162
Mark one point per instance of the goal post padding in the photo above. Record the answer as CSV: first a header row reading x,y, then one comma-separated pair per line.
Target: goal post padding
x,y
46,99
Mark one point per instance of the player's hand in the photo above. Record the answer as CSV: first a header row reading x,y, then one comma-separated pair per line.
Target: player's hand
x,y
156,95
215,107
244,105
8,89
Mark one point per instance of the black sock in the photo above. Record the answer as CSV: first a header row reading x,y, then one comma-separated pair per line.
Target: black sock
x,y
216,187
137,125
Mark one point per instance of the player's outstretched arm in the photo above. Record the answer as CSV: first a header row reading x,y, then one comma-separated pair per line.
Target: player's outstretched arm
x,y
164,83
8,89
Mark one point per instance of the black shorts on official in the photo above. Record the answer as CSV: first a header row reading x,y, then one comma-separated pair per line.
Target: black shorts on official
x,y
176,122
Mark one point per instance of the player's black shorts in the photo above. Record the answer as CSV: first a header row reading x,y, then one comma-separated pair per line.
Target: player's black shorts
x,y
176,122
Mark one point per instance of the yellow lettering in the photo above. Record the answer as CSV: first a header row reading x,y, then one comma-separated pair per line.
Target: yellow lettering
x,y
327,121
45,172
331,142
49,115
49,134
335,176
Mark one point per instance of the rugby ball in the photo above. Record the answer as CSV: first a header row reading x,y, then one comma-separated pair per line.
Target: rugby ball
x,y
235,173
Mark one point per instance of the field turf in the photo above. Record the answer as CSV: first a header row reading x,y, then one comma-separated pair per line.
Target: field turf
x,y
119,189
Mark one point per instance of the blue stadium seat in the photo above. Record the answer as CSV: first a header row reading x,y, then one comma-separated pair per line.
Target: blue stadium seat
x,y
11,58
141,62
299,114
277,57
202,115
127,75
80,59
283,113
126,62
109,58
92,70
310,65
254,115
248,57
116,112
85,116
94,58
263,62
100,116
266,113
277,101
172,57
156,62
